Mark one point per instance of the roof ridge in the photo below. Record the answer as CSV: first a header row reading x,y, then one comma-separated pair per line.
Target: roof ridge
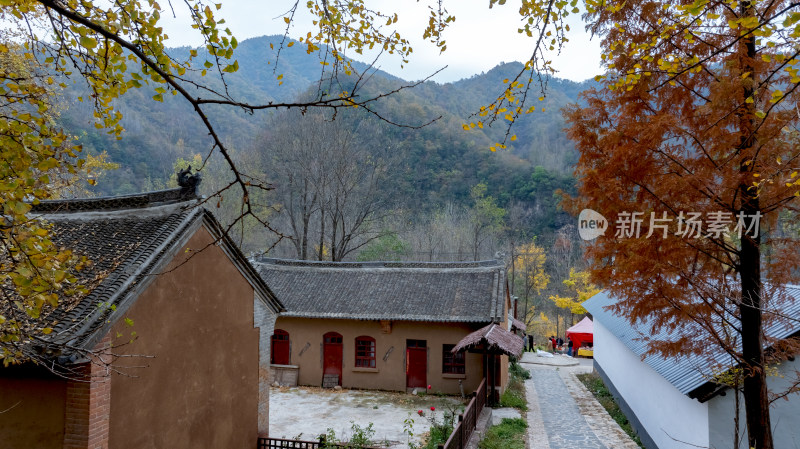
x,y
492,263
107,203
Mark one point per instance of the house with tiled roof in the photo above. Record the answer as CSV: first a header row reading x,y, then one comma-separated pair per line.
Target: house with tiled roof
x,y
385,325
674,402
169,348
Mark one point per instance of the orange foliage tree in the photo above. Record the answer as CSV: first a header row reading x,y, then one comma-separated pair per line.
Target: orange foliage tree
x,y
692,152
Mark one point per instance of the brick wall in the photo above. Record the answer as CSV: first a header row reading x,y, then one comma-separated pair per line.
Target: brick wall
x,y
264,320
88,405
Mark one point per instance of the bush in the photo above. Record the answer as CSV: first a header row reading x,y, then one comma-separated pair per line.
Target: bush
x,y
509,434
440,431
439,435
595,384
514,396
362,437
518,371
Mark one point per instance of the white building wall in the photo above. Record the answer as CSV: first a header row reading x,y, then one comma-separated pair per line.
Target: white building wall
x,y
670,418
784,414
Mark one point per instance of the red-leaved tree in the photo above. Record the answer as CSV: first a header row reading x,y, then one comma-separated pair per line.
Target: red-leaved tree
x,y
691,152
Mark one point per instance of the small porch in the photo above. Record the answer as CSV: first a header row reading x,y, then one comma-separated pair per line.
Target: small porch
x,y
496,345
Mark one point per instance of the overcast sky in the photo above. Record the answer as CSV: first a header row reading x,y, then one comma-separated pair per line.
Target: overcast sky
x,y
479,39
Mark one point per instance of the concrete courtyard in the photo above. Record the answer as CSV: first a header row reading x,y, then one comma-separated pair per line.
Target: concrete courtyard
x,y
307,412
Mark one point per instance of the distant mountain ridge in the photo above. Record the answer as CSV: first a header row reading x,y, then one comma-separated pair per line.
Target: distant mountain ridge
x,y
441,161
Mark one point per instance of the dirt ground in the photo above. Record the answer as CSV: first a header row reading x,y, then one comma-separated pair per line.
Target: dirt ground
x,y
306,412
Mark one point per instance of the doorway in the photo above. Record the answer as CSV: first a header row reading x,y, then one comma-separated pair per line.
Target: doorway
x,y
280,347
331,360
416,363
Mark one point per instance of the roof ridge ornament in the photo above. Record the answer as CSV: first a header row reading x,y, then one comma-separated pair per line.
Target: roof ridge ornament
x,y
188,182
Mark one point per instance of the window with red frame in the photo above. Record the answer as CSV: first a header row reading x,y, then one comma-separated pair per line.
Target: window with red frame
x,y
365,352
452,363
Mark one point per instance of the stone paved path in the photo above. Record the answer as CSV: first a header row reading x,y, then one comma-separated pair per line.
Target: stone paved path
x,y
563,422
562,414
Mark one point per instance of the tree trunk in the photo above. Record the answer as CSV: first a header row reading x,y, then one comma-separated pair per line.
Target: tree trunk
x,y
308,208
756,400
304,247
513,267
321,252
334,230
558,323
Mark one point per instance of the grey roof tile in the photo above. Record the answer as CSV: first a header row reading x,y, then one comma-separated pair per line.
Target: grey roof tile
x,y
689,372
126,239
417,291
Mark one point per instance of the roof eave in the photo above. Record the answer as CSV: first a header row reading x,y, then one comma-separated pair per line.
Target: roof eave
x,y
124,297
138,282
367,317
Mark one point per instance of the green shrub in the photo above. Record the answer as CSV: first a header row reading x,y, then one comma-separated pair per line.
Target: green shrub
x,y
509,434
439,435
516,370
361,437
514,396
439,431
595,384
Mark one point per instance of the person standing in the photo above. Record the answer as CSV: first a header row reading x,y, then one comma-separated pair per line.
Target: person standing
x,y
569,347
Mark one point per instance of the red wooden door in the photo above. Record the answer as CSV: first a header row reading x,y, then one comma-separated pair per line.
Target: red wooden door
x,y
280,347
332,355
416,363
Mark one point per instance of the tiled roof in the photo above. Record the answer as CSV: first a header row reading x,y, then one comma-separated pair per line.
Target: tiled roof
x,y
689,372
121,202
416,291
493,338
126,239
517,324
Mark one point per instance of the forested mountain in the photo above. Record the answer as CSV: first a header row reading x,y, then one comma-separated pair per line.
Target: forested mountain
x,y
429,167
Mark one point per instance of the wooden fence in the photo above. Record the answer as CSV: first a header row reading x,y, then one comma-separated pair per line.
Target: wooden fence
x,y
467,420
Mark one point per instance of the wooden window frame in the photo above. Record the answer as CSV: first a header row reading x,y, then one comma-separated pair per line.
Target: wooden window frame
x,y
332,338
366,349
453,363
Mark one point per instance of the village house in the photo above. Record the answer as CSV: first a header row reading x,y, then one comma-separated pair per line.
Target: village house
x,y
170,348
673,403
390,325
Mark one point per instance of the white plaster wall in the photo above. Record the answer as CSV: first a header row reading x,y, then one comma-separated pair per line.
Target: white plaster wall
x,y
784,414
668,416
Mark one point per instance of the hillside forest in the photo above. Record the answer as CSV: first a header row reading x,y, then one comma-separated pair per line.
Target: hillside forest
x,y
350,187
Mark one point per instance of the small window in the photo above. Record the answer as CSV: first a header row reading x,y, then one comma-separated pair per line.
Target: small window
x,y
365,352
419,344
332,338
280,335
452,363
